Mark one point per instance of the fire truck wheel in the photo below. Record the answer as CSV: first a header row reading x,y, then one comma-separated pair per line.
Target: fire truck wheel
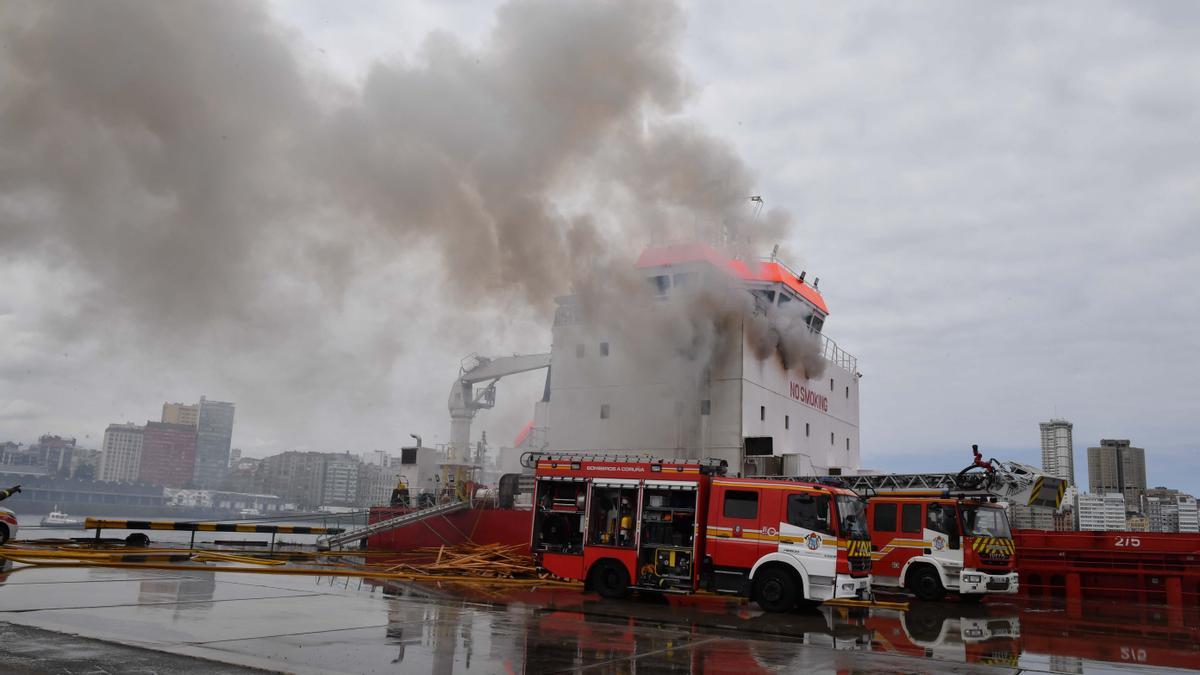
x,y
610,579
775,590
925,584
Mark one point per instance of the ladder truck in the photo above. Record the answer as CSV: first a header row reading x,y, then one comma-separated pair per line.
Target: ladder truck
x,y
935,534
636,523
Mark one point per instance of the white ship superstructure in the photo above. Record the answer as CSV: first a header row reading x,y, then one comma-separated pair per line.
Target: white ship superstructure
x,y
607,393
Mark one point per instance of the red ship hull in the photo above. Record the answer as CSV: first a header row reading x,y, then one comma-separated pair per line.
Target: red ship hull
x,y
480,525
1158,568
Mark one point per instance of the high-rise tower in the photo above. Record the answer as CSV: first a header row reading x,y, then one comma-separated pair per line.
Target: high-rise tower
x,y
1117,467
1058,454
214,430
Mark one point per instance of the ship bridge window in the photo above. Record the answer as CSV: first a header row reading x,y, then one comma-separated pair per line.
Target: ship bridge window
x,y
661,283
816,322
784,299
763,298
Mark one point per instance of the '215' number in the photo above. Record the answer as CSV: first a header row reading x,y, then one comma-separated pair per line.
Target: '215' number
x,y
1128,542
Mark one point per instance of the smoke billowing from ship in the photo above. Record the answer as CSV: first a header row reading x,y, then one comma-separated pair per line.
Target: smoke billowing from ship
x,y
203,177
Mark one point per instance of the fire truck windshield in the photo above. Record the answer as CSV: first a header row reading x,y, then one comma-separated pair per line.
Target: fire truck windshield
x,y
986,521
852,517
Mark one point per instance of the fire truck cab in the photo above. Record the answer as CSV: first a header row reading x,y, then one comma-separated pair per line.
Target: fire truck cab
x,y
933,545
679,526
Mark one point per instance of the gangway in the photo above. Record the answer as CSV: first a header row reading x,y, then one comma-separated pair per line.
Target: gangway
x,y
361,533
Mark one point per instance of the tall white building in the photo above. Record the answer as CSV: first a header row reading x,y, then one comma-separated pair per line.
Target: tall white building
x,y
1101,512
341,480
1058,453
1189,519
121,454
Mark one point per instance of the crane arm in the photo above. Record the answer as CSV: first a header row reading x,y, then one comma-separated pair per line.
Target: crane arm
x,y
464,402
494,369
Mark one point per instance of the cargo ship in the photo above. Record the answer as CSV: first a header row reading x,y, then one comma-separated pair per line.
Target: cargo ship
x,y
762,413
768,392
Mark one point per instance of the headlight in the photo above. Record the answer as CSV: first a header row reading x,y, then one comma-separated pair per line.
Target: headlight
x,y
847,587
973,633
972,578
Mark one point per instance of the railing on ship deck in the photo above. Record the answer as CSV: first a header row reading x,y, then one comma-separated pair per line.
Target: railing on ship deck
x,y
838,356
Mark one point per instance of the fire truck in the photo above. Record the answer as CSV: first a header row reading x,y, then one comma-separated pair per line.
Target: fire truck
x,y
948,533
626,523
939,543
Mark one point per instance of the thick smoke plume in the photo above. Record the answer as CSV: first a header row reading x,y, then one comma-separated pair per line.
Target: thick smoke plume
x,y
210,187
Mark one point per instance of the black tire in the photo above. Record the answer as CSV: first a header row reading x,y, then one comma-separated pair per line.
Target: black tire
x,y
610,579
137,540
775,590
925,584
3,534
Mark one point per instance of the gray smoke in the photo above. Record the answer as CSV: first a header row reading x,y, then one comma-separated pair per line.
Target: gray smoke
x,y
212,189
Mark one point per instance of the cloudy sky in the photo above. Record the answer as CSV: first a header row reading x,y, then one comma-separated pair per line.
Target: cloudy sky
x,y
1002,202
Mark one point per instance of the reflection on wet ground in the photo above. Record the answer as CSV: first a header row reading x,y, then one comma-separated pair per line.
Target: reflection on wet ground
x,y
330,624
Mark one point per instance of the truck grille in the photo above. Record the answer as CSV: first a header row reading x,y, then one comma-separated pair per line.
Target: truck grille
x,y
1001,585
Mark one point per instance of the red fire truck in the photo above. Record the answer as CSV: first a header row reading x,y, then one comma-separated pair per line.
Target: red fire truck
x,y
678,526
934,533
934,544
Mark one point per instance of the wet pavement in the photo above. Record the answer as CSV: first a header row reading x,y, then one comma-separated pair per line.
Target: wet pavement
x,y
334,624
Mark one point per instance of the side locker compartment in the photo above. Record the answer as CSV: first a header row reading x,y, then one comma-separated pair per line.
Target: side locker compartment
x,y
559,524
667,546
612,522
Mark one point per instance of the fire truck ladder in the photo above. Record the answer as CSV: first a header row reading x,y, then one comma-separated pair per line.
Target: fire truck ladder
x,y
1011,481
325,543
529,460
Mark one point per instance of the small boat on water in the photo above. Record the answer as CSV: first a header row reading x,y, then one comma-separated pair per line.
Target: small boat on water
x,y
57,518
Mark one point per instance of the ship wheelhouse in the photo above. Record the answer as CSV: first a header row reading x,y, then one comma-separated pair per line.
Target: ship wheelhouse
x,y
761,414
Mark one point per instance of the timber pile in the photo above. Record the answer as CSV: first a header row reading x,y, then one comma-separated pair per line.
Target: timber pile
x,y
488,561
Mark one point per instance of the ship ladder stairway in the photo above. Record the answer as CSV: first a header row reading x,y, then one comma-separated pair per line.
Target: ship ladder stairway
x,y
325,543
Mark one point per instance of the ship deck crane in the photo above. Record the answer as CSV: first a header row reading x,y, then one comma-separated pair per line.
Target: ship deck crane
x,y
465,400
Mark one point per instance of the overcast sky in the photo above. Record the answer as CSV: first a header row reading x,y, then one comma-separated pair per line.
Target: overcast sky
x,y
1002,202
